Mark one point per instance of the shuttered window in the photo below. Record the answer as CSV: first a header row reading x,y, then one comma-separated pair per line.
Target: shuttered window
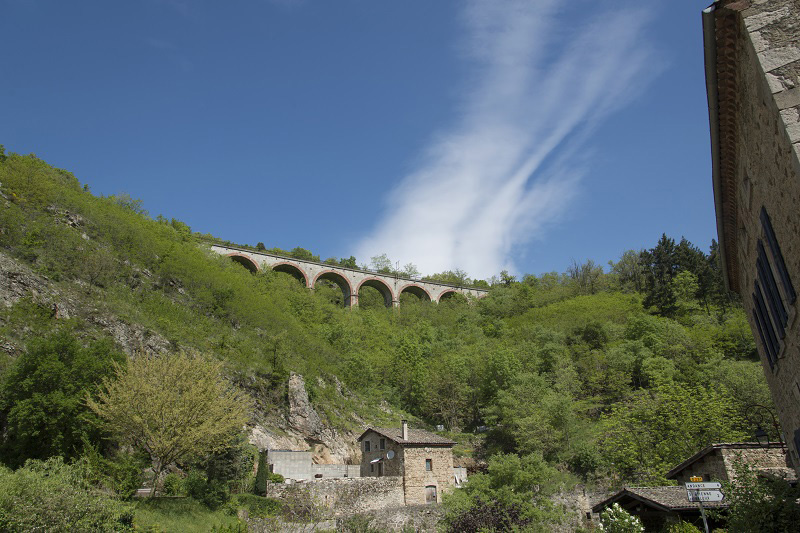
x,y
771,299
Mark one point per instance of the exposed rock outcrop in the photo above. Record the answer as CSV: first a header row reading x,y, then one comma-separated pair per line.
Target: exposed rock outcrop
x,y
303,429
302,415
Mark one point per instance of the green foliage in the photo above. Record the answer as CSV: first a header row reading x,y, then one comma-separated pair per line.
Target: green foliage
x,y
172,485
549,361
513,493
42,398
54,496
262,475
615,519
177,408
655,430
758,503
180,514
683,527
121,472
211,492
257,506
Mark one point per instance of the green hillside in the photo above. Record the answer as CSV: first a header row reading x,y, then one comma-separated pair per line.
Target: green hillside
x,y
610,377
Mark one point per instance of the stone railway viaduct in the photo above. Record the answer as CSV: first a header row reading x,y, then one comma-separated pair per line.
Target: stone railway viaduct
x,y
349,280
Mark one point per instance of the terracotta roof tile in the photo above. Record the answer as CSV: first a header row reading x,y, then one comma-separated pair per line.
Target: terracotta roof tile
x,y
663,498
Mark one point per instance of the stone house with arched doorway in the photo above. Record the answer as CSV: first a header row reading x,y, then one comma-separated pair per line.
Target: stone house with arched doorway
x,y
423,459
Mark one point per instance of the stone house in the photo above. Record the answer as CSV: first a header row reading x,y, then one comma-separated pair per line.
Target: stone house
x,y
422,459
716,462
752,56
657,506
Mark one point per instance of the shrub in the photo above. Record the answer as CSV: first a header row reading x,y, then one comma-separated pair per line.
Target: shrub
x,y
172,485
54,496
258,506
615,519
212,492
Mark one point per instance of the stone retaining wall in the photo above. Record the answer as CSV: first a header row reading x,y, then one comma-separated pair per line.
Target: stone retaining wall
x,y
345,495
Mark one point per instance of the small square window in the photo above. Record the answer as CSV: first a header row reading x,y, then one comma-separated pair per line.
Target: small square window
x,y
428,464
366,446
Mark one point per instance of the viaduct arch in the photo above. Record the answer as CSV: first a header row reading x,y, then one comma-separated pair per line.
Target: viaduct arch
x,y
349,280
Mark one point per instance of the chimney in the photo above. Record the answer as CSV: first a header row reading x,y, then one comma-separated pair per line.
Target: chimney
x,y
405,429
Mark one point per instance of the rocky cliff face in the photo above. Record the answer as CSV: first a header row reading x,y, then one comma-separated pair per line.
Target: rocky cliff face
x,y
68,300
303,429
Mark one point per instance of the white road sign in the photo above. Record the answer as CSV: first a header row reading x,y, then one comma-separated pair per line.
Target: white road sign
x,y
705,495
704,486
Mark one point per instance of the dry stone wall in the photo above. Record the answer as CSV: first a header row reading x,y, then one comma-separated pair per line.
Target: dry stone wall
x,y
347,495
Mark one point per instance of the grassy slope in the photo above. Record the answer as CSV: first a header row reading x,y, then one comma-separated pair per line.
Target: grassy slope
x,y
443,363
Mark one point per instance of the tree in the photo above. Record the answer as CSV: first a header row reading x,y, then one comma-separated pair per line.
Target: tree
x,y
262,475
410,270
629,271
42,398
761,503
349,262
513,494
177,408
381,263
661,266
586,276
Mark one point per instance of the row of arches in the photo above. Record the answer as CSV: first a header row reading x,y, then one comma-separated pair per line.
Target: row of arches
x,y
349,293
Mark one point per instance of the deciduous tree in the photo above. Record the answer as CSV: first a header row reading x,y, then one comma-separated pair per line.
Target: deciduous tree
x,y
175,407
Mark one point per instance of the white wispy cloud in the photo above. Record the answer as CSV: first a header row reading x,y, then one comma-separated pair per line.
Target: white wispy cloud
x,y
510,165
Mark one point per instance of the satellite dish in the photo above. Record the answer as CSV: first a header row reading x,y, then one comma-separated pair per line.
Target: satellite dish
x,y
390,454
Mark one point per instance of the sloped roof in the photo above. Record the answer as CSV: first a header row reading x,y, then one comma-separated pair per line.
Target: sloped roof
x,y
415,437
724,445
666,499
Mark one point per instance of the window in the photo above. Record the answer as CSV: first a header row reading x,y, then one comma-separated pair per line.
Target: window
x,y
771,301
383,444
371,468
366,446
428,464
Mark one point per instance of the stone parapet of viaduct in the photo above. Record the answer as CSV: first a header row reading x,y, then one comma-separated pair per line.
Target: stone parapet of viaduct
x,y
349,280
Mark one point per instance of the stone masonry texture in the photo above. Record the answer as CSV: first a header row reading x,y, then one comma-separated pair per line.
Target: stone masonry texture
x,y
762,134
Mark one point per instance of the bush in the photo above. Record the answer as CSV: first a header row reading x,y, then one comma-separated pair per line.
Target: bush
x,y
172,485
682,527
262,475
258,506
615,519
212,493
54,496
761,503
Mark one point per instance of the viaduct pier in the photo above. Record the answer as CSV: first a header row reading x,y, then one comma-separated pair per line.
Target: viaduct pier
x,y
349,280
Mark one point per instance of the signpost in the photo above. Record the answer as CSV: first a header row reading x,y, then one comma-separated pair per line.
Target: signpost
x,y
699,491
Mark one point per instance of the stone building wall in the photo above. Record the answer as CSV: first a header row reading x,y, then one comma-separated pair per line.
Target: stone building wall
x,y
390,467
345,495
767,173
335,471
710,467
760,458
417,478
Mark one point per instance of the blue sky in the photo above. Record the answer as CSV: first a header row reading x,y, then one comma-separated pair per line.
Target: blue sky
x,y
479,134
